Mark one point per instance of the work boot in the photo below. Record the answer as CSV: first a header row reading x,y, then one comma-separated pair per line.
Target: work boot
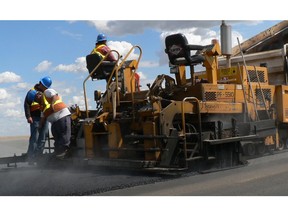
x,y
62,155
31,161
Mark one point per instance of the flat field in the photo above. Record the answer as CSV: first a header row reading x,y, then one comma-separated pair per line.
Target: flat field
x,y
13,145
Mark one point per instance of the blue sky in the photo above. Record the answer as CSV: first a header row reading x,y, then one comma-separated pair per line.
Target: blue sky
x,y
40,38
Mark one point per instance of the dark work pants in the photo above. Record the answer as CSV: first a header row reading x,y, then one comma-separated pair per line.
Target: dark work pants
x,y
61,131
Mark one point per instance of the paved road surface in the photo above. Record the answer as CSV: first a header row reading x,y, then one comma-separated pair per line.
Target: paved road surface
x,y
266,176
60,179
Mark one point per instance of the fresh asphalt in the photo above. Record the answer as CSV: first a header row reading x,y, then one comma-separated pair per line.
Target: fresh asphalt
x,y
265,176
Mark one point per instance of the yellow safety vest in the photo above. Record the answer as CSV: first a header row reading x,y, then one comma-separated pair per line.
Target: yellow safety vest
x,y
57,106
97,50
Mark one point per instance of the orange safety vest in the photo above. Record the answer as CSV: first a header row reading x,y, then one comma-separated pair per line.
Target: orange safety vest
x,y
57,106
34,105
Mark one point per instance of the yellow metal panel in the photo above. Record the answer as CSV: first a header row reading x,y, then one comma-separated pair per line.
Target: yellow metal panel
x,y
168,113
267,90
220,107
282,103
233,74
88,139
221,92
127,76
181,76
114,139
261,71
149,128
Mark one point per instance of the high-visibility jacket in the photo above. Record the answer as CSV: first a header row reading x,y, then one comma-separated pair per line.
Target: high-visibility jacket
x,y
102,51
34,105
99,50
57,105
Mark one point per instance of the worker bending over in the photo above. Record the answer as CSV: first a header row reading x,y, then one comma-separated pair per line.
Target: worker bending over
x,y
57,113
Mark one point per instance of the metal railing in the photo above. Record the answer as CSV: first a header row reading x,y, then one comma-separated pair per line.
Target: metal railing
x,y
184,124
116,68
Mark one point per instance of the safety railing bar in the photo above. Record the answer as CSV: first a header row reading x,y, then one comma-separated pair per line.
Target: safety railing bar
x,y
133,78
184,124
90,74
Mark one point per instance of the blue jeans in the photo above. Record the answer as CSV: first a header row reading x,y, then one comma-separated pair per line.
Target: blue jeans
x,y
37,137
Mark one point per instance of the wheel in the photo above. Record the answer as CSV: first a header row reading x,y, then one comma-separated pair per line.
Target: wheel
x,y
250,149
261,148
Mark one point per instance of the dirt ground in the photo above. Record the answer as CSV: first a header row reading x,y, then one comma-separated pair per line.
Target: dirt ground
x,y
6,138
13,145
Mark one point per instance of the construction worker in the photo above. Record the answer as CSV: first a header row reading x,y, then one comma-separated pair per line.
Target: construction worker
x,y
102,49
38,132
57,113
137,82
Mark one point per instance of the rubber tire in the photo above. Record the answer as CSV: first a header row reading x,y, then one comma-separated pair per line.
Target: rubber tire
x,y
250,149
261,149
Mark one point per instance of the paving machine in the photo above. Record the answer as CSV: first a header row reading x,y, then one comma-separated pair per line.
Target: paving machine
x,y
182,121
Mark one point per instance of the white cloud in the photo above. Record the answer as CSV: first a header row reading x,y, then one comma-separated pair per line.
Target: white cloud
x,y
236,35
78,67
3,94
70,34
22,85
142,76
10,105
14,113
123,47
43,66
102,25
125,27
79,100
12,102
7,77
148,64
66,91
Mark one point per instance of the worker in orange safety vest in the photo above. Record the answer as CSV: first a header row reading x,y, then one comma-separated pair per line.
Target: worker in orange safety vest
x,y
58,114
38,132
